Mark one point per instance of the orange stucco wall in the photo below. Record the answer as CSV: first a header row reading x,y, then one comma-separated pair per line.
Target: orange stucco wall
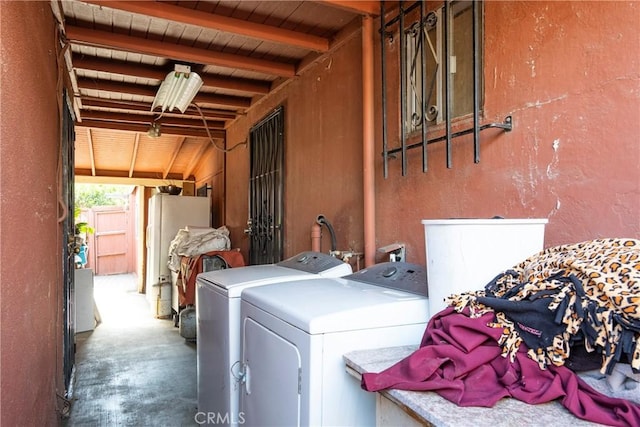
x,y
323,155
210,172
30,284
569,75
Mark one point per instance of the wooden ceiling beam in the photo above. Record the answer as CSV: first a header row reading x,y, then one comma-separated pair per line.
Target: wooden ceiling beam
x,y
195,122
85,36
149,91
212,21
101,173
166,130
118,87
228,100
174,155
124,68
116,104
92,159
358,6
134,154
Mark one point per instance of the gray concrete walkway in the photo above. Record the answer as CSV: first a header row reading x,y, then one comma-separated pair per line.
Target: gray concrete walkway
x,y
133,369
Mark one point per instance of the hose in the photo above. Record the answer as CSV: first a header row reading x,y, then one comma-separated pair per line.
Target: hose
x,y
323,221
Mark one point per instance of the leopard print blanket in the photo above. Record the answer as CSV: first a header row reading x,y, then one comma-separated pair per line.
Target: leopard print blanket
x,y
599,305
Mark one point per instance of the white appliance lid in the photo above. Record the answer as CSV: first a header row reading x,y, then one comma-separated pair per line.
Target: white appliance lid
x,y
234,280
335,305
485,221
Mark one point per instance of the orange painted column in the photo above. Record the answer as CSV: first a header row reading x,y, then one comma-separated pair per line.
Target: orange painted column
x,y
368,142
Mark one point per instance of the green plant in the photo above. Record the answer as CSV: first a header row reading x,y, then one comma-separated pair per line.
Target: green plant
x,y
81,227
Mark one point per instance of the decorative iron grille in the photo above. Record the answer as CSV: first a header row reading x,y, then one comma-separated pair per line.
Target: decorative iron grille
x,y
266,192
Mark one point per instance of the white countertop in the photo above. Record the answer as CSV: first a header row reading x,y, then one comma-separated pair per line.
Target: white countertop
x,y
431,408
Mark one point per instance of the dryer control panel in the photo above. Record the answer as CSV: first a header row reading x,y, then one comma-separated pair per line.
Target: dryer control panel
x,y
396,275
312,262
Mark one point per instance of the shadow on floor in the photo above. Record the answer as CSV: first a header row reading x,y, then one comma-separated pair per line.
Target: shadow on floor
x,y
133,369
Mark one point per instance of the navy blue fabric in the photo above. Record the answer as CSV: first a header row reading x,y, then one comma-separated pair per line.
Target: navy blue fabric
x,y
535,323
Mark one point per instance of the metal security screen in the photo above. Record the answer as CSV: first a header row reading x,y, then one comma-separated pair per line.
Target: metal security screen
x,y
68,254
265,195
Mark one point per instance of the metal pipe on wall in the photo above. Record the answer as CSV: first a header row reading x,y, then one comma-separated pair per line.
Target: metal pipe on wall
x,y
447,79
383,62
403,90
316,237
368,142
423,89
476,81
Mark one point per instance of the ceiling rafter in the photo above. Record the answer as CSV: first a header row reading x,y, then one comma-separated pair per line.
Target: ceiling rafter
x,y
123,174
359,6
113,66
174,155
221,23
118,87
89,102
166,130
150,91
176,52
123,68
147,118
134,154
91,154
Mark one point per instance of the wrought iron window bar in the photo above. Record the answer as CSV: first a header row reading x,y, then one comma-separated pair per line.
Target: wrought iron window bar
x,y
448,136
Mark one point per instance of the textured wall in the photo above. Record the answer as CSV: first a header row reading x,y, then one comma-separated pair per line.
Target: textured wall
x,y
323,155
30,301
569,74
210,172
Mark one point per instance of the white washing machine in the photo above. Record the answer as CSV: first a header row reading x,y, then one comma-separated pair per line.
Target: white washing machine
x,y
218,324
295,334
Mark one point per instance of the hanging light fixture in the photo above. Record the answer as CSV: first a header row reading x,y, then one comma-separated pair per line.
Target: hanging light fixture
x,y
154,130
177,90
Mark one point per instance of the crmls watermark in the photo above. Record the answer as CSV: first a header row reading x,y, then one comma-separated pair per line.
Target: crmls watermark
x,y
219,418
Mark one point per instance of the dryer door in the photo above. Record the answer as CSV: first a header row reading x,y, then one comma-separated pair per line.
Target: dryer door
x,y
271,393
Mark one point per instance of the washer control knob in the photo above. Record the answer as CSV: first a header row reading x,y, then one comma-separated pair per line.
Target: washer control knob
x,y
389,272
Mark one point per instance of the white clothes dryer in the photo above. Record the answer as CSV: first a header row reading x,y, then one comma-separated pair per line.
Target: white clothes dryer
x,y
218,325
296,333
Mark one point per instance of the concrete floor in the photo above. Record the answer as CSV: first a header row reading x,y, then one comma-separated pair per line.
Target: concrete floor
x,y
133,369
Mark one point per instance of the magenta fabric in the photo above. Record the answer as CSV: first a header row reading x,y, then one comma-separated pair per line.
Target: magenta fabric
x,y
459,358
